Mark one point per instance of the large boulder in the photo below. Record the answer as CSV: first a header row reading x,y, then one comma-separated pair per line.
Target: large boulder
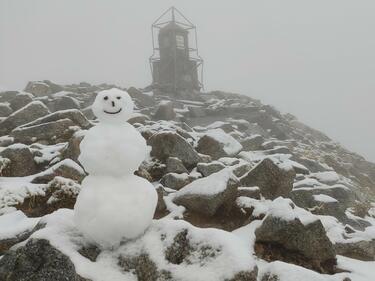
x,y
272,179
5,110
141,99
217,144
361,250
170,144
253,143
22,116
37,260
21,161
175,181
20,100
42,88
15,228
63,103
294,235
51,132
207,195
7,96
66,168
74,115
165,111
207,169
59,193
175,165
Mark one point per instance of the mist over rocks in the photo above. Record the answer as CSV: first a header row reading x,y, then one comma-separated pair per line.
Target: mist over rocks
x,y
235,179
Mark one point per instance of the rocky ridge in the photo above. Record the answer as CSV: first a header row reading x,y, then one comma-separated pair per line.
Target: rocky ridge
x,y
239,184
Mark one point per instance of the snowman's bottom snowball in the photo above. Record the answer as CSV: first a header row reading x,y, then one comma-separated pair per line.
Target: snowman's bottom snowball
x,y
109,210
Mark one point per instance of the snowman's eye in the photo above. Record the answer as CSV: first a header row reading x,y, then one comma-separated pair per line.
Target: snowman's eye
x,y
106,98
118,98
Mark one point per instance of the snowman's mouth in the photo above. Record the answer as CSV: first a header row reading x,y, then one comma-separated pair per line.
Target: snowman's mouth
x,y
115,112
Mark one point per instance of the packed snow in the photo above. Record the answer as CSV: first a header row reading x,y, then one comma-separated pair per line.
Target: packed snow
x,y
111,152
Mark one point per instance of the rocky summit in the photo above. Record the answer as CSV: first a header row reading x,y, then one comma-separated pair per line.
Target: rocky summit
x,y
245,192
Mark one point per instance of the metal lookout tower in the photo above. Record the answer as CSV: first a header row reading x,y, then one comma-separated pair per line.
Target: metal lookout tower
x,y
175,63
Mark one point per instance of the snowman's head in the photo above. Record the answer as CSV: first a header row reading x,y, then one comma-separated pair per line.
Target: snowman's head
x,y
113,106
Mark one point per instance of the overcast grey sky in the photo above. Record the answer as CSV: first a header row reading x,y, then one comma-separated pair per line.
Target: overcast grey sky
x,y
314,59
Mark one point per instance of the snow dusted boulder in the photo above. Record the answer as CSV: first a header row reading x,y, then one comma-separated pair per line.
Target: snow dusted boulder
x,y
51,132
175,181
66,168
273,179
15,228
63,103
42,88
294,235
207,195
207,169
21,161
165,111
217,143
5,110
74,115
37,260
22,116
20,100
169,250
141,99
52,128
253,143
7,96
138,118
175,165
252,192
361,250
169,144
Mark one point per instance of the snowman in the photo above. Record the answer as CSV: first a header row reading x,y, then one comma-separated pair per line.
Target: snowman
x,y
114,204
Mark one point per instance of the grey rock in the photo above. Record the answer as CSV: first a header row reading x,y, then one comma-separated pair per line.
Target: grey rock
x,y
361,250
7,96
20,100
253,143
21,161
215,148
5,110
272,180
208,203
175,165
22,116
161,206
63,103
66,168
165,111
195,111
175,181
51,132
37,260
252,192
143,268
169,144
207,169
42,88
72,149
141,118
74,115
142,100
250,275
309,241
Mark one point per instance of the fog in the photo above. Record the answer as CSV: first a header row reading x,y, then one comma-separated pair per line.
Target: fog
x,y
314,59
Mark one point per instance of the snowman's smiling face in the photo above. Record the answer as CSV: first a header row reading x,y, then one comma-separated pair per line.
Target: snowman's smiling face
x,y
113,106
